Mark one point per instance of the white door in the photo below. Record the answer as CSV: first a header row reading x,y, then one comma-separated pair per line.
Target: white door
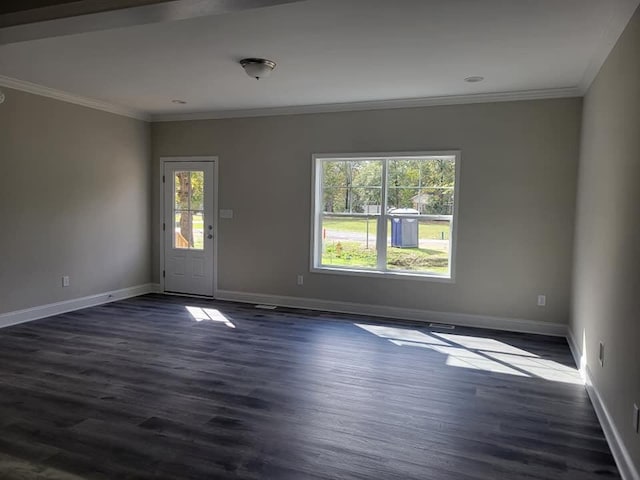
x,y
188,227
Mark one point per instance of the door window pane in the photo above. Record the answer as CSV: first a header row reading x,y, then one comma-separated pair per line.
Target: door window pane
x,y
197,230
197,191
188,201
183,237
181,191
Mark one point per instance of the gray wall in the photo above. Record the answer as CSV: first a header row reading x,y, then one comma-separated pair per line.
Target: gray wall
x,y
516,211
74,199
606,302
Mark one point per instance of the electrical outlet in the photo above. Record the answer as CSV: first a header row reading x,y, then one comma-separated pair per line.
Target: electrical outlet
x,y
65,281
300,280
542,300
601,354
636,418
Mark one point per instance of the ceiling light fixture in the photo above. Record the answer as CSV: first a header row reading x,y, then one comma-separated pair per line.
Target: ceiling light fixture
x,y
179,102
257,67
474,79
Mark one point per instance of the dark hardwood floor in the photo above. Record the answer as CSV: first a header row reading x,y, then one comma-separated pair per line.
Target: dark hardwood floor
x,y
140,389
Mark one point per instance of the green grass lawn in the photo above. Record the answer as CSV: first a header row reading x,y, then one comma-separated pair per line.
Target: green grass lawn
x,y
427,230
354,254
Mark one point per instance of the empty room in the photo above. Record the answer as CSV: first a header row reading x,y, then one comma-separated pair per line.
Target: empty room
x,y
320,239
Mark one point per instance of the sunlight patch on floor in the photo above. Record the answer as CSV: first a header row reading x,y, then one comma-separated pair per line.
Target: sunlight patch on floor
x,y
482,343
540,367
461,357
479,353
403,334
200,314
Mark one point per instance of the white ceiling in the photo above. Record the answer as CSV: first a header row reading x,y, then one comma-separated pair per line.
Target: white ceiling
x,y
331,52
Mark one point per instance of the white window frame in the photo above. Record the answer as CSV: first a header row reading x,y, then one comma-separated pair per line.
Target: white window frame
x,y
381,272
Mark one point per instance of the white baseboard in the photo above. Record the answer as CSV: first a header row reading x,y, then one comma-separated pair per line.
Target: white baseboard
x,y
42,311
460,319
624,461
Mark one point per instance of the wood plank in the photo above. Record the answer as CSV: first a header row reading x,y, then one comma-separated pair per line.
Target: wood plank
x,y
140,389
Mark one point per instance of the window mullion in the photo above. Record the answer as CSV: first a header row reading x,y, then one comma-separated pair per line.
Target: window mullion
x,y
318,188
381,239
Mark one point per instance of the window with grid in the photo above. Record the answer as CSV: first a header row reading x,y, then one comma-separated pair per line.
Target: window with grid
x,y
390,214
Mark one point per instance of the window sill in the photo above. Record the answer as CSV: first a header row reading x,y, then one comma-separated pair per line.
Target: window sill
x,y
388,274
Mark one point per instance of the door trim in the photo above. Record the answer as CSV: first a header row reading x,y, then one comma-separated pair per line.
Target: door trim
x,y
214,160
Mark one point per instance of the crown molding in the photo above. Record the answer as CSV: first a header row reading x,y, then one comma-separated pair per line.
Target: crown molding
x,y
568,92
36,89
41,90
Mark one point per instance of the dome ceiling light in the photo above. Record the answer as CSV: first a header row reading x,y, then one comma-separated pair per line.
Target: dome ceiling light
x,y
257,67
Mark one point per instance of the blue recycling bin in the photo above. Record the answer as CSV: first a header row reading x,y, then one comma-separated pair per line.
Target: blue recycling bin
x,y
404,231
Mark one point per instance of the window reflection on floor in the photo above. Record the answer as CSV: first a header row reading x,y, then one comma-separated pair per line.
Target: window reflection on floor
x,y
200,314
479,353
